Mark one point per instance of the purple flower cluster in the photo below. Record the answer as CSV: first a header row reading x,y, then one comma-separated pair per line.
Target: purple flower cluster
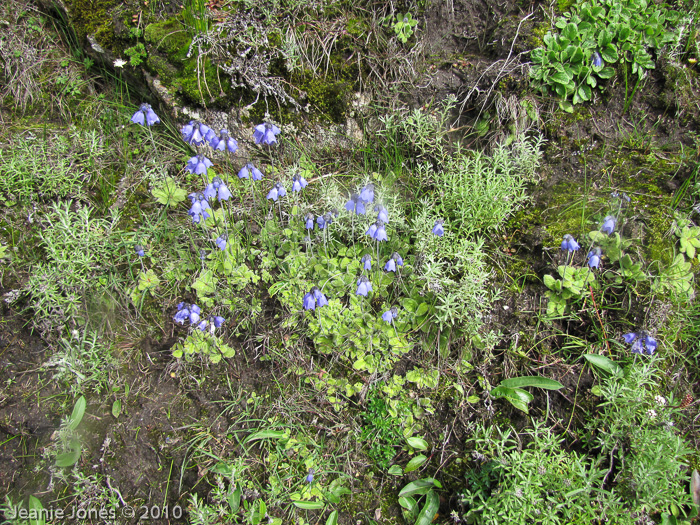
x,y
641,342
145,115
192,313
314,298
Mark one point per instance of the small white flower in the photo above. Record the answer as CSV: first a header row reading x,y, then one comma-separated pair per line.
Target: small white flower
x,y
651,413
120,63
660,400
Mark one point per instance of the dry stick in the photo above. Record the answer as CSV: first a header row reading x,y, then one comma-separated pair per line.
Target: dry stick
x,y
498,76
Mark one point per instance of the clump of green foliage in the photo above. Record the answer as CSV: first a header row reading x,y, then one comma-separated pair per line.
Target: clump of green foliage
x,y
594,36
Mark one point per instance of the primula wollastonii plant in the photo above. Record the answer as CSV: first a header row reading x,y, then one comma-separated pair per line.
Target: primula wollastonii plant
x,y
569,244
221,241
314,298
394,261
199,164
217,188
138,249
145,114
321,299
309,221
366,262
187,311
377,231
609,224
309,301
594,257
191,133
641,341
299,183
367,193
382,214
276,192
596,59
224,142
199,207
266,134
438,228
310,475
390,314
250,170
363,286
355,205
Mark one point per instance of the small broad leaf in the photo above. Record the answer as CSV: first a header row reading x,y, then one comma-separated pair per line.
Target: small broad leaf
x,y
539,382
70,458
333,518
420,486
408,503
603,363
427,513
417,443
309,505
395,470
36,506
170,194
415,463
78,411
116,408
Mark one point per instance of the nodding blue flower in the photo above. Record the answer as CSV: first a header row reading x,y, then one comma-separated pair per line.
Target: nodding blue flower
x,y
202,253
328,218
221,241
199,207
309,221
138,249
594,258
310,476
224,142
276,192
321,221
187,311
319,296
390,314
206,131
299,183
596,59
377,231
217,321
309,301
217,187
145,114
203,325
266,134
382,214
367,193
355,205
192,134
199,164
366,262
251,170
363,286
569,244
609,224
394,260
224,193
641,341
438,228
